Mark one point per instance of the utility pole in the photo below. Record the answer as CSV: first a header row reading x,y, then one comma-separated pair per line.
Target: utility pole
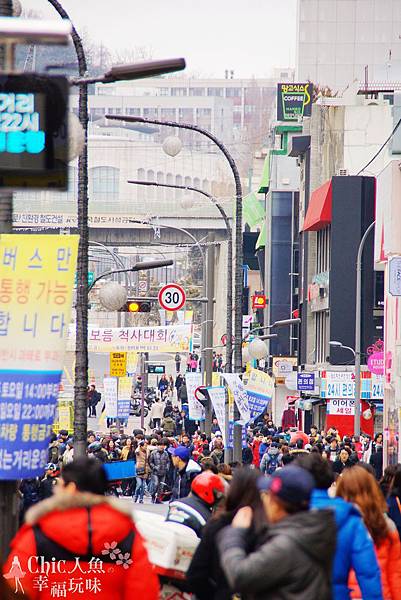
x,y
8,489
208,355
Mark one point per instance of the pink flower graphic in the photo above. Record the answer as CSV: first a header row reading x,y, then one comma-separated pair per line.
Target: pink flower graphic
x,y
124,560
111,550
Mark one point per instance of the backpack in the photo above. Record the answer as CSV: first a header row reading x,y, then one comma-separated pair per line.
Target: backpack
x,y
273,464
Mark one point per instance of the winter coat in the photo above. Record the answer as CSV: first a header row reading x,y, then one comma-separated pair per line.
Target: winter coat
x,y
142,462
128,453
182,393
394,511
273,455
354,549
376,460
46,487
183,480
247,455
205,576
163,385
156,412
159,462
389,558
255,451
293,562
218,453
84,525
339,466
168,426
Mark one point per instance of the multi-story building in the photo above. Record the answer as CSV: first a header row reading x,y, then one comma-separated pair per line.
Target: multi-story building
x,y
339,41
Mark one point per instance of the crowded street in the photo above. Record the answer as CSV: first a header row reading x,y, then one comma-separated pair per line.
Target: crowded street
x,y
200,283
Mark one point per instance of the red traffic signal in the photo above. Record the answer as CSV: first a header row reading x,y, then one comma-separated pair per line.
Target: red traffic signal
x,y
136,306
259,301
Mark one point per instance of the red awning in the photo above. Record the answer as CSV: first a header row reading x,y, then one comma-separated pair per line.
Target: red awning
x,y
318,215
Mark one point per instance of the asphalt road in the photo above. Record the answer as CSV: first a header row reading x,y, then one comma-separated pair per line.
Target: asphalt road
x,y
160,509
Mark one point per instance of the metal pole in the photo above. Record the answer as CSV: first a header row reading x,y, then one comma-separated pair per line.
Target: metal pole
x,y
81,346
208,354
142,390
229,320
238,279
8,489
358,306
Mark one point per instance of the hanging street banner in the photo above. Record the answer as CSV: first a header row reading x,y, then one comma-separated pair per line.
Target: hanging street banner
x,y
195,408
260,390
294,101
118,364
132,362
174,338
124,397
36,288
110,396
240,396
218,398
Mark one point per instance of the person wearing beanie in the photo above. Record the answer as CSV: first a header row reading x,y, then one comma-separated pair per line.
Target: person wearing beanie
x,y
295,559
185,471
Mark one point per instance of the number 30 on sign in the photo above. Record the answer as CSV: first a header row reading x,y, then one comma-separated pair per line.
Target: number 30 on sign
x,y
172,297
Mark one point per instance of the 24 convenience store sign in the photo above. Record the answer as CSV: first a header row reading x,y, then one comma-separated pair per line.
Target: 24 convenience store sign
x,y
341,384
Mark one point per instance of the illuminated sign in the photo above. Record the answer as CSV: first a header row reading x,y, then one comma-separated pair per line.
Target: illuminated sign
x,y
33,131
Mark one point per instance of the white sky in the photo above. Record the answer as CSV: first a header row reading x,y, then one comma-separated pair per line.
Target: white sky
x,y
249,36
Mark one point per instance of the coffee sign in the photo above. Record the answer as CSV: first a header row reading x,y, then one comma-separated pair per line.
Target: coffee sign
x,y
294,101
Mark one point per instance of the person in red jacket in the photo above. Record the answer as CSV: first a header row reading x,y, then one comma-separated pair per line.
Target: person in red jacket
x,y
255,449
80,543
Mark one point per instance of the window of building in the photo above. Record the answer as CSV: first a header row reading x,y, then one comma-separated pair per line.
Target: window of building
x,y
114,111
134,111
233,92
322,336
150,112
178,91
178,193
104,183
215,91
323,250
203,112
150,176
250,109
168,114
164,91
197,91
186,115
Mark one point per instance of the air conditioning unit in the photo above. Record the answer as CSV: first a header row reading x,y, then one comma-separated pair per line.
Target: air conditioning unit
x,y
342,172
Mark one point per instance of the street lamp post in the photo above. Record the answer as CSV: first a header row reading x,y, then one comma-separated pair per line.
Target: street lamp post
x,y
226,219
238,278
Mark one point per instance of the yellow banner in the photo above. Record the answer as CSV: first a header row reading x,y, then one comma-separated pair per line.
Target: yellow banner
x,y
118,364
132,361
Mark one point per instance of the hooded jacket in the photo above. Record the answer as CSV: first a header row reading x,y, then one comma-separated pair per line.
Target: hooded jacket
x,y
183,480
273,453
168,425
354,549
86,526
293,562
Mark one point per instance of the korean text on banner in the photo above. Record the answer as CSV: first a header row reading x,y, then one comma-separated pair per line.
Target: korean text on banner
x,y
260,390
36,286
110,397
174,338
196,411
240,396
118,364
124,397
218,398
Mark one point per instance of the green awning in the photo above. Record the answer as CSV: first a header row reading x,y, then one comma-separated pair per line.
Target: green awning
x,y
253,209
265,181
261,241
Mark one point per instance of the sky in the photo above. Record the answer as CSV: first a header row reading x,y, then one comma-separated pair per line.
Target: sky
x,y
251,37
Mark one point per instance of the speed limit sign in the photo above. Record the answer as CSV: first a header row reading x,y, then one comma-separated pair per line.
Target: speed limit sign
x,y
172,297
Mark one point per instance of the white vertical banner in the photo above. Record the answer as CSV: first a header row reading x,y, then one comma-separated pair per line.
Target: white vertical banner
x,y
240,396
218,398
196,410
110,396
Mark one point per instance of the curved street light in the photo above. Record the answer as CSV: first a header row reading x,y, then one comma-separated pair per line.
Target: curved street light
x,y
238,278
226,219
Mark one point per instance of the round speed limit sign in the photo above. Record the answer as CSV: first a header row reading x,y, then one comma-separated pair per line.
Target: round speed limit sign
x,y
172,297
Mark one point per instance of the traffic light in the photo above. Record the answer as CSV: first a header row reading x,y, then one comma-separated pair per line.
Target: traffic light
x,y
136,306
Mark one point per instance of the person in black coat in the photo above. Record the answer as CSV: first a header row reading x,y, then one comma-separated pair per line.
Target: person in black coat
x,y
205,577
376,460
343,461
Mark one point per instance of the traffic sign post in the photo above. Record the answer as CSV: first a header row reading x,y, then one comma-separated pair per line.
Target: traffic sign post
x,y
172,297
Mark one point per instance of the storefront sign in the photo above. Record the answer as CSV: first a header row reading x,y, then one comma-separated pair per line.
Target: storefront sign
x,y
118,364
341,384
318,292
376,363
341,406
283,365
36,287
306,382
294,101
394,277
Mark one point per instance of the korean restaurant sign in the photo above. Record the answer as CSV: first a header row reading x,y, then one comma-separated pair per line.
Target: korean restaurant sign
x,y
36,287
174,338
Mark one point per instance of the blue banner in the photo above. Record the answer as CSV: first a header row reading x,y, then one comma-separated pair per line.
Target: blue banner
x,y
28,401
257,404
